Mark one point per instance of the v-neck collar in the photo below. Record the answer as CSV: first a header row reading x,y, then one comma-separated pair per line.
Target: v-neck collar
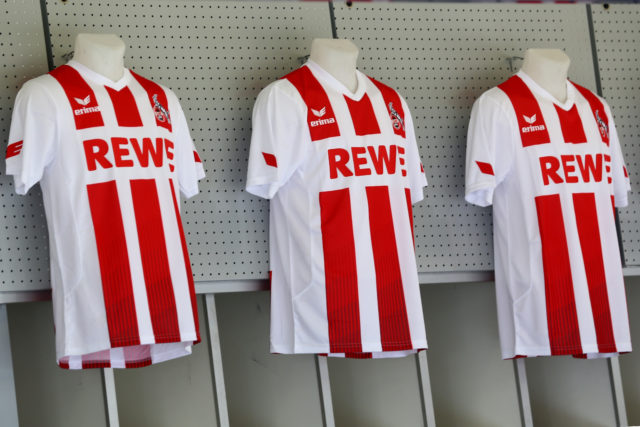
x,y
535,87
99,78
326,77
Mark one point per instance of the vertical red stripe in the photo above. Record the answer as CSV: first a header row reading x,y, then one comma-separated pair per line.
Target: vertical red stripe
x,y
137,357
125,107
321,120
597,108
394,324
362,115
584,205
187,262
155,264
157,99
394,107
65,364
13,149
407,193
341,279
84,105
113,257
571,124
562,319
99,359
613,205
533,130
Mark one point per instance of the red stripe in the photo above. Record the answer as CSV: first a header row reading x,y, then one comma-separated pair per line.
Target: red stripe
x,y
187,262
341,281
124,104
64,365
362,115
533,130
137,357
196,157
100,359
407,194
394,107
13,149
358,355
113,257
589,232
322,124
155,264
597,108
571,124
485,168
562,319
394,324
270,159
86,114
157,99
613,205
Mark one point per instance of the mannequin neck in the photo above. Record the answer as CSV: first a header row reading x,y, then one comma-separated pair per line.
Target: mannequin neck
x,y
102,53
548,68
337,57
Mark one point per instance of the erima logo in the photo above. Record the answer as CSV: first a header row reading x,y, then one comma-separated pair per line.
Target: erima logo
x,y
84,101
319,113
531,128
322,122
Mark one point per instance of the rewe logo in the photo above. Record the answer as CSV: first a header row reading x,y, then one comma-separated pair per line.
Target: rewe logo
x,y
531,128
84,101
319,113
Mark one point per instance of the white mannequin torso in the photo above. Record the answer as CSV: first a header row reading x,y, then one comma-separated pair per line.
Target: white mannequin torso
x,y
102,53
337,57
548,68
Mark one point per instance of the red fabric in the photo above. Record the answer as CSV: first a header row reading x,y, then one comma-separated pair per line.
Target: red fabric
x,y
591,245
13,149
362,115
113,257
157,99
270,159
321,120
155,263
196,157
125,107
485,168
571,124
341,281
394,107
527,112
562,318
187,262
394,324
599,114
81,97
407,194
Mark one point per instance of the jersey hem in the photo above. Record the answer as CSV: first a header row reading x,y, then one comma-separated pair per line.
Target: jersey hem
x,y
143,341
324,349
624,347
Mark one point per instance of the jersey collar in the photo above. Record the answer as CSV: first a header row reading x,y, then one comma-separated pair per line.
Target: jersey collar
x,y
321,74
535,87
98,78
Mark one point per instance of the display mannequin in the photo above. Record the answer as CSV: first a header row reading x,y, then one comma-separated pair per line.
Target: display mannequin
x,y
548,68
337,57
102,53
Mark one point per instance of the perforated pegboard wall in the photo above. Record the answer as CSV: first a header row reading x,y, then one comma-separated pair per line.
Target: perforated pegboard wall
x,y
216,56
617,34
24,261
441,57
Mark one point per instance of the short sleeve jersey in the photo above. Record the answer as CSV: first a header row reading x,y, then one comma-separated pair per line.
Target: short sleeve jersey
x,y
110,158
554,173
342,171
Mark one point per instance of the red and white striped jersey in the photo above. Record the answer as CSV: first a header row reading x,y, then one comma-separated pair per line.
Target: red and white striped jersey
x,y
342,171
554,173
110,158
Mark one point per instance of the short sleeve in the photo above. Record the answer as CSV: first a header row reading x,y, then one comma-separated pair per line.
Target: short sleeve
x,y
489,150
278,138
189,164
619,172
33,137
415,168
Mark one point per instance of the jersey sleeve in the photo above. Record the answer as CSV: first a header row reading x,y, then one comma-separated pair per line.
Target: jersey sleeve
x,y
189,164
489,150
415,168
619,172
277,140
33,137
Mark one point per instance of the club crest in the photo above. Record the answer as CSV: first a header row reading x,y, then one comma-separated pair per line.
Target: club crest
x,y
396,120
604,129
162,114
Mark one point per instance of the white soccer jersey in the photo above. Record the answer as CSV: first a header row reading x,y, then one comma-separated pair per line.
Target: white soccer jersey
x,y
342,170
110,158
554,173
